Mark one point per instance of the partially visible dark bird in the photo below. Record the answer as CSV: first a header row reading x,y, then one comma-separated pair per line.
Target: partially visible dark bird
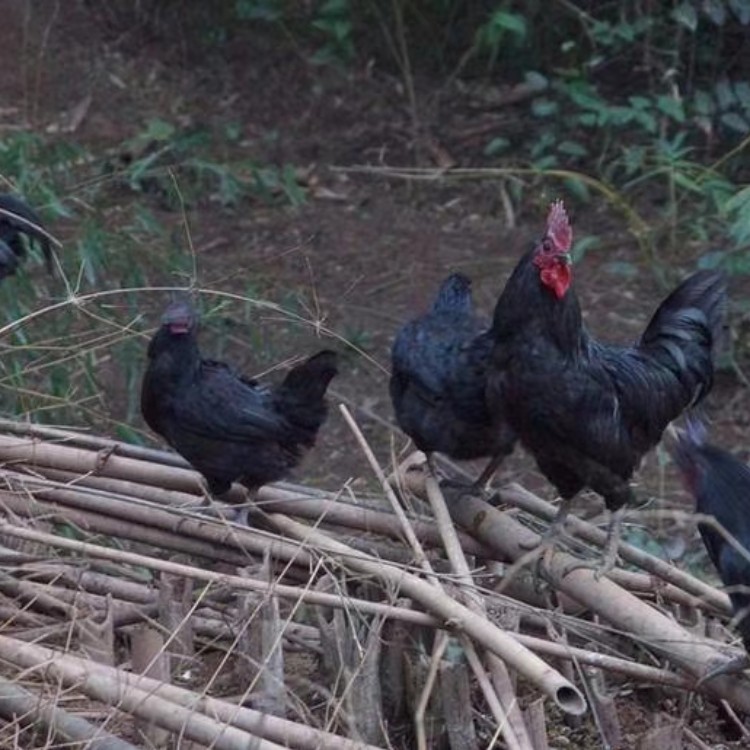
x,y
587,411
18,220
438,381
720,484
228,427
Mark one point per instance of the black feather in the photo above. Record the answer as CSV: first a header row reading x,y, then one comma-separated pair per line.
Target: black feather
x,y
720,484
18,221
228,427
438,379
589,411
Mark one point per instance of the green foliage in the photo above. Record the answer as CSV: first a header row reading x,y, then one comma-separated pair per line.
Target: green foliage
x,y
65,359
644,103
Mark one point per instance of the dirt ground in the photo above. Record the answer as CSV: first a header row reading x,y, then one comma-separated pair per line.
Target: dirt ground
x,y
363,253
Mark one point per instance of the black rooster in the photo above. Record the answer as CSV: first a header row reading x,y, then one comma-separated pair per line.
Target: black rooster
x,y
228,427
438,381
587,411
17,220
720,484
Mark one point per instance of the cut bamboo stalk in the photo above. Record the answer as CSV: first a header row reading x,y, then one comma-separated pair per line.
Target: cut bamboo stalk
x,y
92,442
190,529
500,677
286,733
37,452
203,533
112,526
18,704
517,496
505,727
218,626
607,599
460,618
329,508
149,657
294,593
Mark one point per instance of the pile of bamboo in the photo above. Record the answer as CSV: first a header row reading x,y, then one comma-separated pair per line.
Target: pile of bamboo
x,y
123,593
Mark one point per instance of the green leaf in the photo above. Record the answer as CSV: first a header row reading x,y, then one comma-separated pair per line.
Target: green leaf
x,y
686,15
158,130
703,103
742,91
737,209
741,9
578,188
735,121
724,94
582,246
496,146
711,260
543,107
536,80
258,10
671,107
716,11
572,148
647,121
639,102
622,268
513,22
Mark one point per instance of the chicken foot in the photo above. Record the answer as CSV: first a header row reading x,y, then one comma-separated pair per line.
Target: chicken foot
x,y
609,556
479,486
540,550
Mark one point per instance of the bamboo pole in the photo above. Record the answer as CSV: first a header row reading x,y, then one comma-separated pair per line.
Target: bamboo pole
x,y
294,593
505,727
127,696
519,497
500,676
75,671
329,508
607,599
18,704
458,616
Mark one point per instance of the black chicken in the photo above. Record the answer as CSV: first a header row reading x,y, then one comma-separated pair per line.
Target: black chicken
x,y
438,381
587,411
17,219
229,427
720,484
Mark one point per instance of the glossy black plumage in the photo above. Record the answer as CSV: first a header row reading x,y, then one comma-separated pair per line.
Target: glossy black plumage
x,y
438,379
588,411
24,222
228,427
720,484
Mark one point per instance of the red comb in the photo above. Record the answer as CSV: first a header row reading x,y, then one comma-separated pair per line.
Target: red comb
x,y
558,227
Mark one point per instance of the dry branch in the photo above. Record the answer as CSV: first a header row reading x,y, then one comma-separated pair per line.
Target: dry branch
x,y
449,535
